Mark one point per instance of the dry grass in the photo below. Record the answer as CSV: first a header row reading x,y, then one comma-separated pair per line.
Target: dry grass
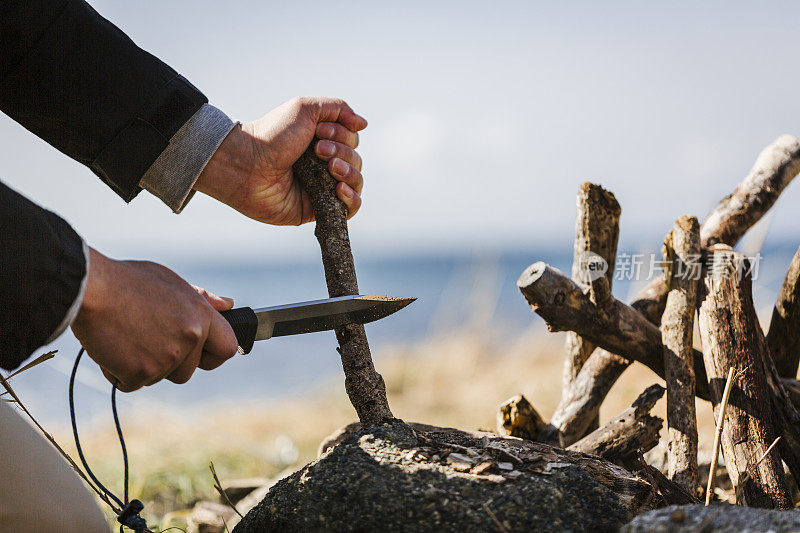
x,y
457,380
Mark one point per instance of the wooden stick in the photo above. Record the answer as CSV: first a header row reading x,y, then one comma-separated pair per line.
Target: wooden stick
x,y
786,417
364,385
771,174
566,306
723,404
784,410
784,329
518,418
677,329
671,492
596,235
732,338
776,167
580,405
629,434
624,439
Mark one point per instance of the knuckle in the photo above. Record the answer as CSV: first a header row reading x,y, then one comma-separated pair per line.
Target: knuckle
x,y
145,372
174,356
191,332
299,104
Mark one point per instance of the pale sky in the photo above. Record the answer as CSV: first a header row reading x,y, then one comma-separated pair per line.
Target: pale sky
x,y
484,117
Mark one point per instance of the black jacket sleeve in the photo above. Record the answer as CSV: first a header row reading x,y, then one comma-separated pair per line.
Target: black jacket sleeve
x,y
42,266
74,79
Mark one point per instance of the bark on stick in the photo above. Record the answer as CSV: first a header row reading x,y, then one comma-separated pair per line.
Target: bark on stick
x,y
364,385
631,433
677,327
774,169
787,419
783,343
596,234
732,337
784,329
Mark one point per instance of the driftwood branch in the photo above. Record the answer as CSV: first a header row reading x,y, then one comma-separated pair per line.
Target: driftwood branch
x,y
596,234
772,172
596,237
627,436
364,385
732,338
787,419
677,327
580,406
566,306
784,329
616,327
670,492
518,418
776,167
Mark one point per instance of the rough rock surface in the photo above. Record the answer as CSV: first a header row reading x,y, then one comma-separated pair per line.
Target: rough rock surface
x,y
395,478
715,518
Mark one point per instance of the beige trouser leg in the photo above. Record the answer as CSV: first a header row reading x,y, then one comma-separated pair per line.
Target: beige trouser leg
x,y
39,491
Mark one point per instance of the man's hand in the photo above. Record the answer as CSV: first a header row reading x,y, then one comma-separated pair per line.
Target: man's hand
x,y
142,323
251,171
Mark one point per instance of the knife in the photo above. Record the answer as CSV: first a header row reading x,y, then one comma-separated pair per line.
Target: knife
x,y
252,325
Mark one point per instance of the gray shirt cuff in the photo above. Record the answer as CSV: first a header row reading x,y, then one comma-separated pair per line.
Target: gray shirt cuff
x,y
172,176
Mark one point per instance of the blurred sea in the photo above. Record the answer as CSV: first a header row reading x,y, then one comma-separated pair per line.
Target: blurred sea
x,y
454,292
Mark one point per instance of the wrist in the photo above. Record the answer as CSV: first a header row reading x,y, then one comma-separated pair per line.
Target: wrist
x,y
230,164
97,287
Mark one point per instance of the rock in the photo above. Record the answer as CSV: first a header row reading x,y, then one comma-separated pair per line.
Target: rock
x,y
370,482
252,499
722,518
337,436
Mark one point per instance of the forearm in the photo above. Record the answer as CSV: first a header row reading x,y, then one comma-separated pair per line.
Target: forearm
x,y
74,79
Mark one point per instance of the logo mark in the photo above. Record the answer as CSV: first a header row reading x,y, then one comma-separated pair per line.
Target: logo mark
x,y
592,267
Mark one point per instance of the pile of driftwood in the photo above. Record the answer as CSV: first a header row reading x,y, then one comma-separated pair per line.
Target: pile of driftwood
x,y
703,277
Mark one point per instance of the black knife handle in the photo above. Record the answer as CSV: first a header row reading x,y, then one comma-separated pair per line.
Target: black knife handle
x,y
244,322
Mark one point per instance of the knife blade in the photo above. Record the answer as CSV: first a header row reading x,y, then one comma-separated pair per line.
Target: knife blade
x,y
252,325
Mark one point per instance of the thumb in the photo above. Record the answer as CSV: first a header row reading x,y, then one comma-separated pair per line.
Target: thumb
x,y
219,303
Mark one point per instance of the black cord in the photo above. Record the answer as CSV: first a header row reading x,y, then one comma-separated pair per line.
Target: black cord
x,y
129,514
119,434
